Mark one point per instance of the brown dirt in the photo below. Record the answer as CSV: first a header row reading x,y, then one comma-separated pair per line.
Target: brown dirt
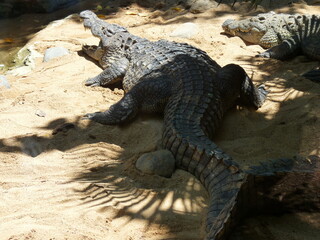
x,y
81,183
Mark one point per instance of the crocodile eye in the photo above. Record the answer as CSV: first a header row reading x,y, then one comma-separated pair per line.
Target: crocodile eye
x,y
262,18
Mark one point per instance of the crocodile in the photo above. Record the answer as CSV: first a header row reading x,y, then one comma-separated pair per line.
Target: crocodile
x,y
265,29
285,35
193,92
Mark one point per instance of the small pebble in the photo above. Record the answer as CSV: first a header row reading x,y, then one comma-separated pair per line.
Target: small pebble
x,y
199,6
40,113
4,82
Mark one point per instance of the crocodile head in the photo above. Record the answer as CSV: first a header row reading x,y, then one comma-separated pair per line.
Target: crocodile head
x,y
99,28
249,30
263,29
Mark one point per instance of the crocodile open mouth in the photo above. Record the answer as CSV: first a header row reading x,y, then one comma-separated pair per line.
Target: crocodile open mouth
x,y
237,31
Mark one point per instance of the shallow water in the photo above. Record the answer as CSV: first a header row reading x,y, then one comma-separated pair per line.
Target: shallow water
x,y
15,32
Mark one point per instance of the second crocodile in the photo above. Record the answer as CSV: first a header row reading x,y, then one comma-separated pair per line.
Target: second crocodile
x,y
286,35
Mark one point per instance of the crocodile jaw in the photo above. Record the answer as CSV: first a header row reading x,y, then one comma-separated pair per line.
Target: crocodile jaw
x,y
245,30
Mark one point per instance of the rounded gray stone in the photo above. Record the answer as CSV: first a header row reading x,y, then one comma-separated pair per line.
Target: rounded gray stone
x,y
4,82
40,113
160,163
199,6
54,52
185,30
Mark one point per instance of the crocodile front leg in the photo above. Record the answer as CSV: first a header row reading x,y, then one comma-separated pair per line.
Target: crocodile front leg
x,y
252,96
112,59
113,73
147,96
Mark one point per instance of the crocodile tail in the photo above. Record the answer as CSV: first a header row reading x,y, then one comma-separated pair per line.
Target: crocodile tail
x,y
197,154
215,170
192,114
228,197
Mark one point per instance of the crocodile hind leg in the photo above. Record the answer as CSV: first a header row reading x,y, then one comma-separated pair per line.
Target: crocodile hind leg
x,y
147,96
234,77
252,96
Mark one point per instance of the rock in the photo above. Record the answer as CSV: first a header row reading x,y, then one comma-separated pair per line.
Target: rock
x,y
40,113
51,5
199,6
160,162
54,52
24,61
10,8
4,82
5,9
186,30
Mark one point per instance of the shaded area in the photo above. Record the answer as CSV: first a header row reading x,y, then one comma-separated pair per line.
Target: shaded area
x,y
25,26
105,170
104,187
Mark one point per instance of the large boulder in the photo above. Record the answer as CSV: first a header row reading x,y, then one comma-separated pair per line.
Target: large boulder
x,y
9,8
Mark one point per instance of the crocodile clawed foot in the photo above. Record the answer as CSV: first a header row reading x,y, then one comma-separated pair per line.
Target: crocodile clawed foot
x,y
92,82
262,95
262,90
90,116
265,54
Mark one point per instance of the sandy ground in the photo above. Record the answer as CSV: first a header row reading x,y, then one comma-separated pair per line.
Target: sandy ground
x,y
81,183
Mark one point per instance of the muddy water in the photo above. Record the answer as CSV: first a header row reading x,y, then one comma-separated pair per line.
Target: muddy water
x,y
17,31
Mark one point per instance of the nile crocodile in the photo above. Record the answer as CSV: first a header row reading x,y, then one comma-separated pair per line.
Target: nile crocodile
x,y
286,35
266,29
193,91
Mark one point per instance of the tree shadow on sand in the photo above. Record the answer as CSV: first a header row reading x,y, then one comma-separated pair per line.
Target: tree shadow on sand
x,y
105,167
